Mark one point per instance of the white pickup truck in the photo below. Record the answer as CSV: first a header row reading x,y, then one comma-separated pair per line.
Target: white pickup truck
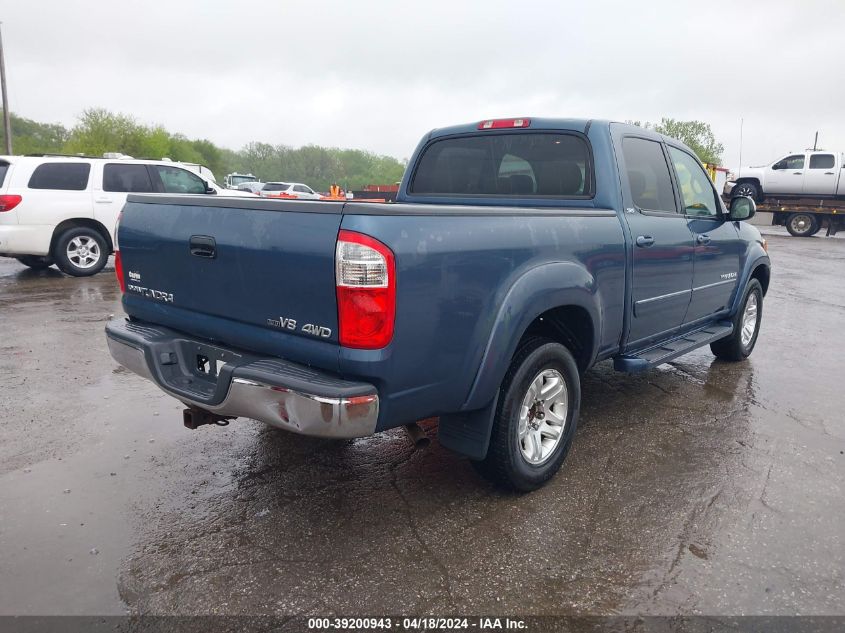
x,y
808,174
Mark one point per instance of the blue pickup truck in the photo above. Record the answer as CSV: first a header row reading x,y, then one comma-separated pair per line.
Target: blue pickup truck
x,y
518,253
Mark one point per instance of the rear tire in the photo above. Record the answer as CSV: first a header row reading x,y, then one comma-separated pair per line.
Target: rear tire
x,y
81,252
749,189
536,417
739,345
36,262
802,224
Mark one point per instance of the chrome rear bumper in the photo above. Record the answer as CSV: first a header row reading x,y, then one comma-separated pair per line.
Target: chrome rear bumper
x,y
271,399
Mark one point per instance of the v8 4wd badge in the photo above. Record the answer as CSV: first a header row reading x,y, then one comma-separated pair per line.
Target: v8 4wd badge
x,y
286,323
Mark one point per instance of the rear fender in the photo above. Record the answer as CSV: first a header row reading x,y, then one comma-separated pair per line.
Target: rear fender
x,y
540,289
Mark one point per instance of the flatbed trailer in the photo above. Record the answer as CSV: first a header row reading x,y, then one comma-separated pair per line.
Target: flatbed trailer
x,y
804,217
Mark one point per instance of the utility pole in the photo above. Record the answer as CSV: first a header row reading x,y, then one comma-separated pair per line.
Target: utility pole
x,y
7,120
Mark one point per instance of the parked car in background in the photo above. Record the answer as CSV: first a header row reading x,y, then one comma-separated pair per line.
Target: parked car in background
x,y
252,187
808,174
519,253
289,190
62,209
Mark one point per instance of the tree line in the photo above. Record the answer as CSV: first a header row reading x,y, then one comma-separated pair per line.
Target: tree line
x,y
697,135
98,131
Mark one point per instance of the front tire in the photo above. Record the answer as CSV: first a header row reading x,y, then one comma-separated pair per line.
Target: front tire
x,y
739,345
35,262
81,252
536,417
802,224
748,189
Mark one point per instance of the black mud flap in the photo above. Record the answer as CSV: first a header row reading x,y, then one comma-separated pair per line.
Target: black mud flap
x,y
468,433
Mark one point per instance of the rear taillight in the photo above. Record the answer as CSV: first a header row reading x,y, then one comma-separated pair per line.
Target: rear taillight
x,y
365,274
118,271
9,202
118,263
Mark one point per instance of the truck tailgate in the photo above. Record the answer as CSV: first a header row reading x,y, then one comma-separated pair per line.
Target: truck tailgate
x,y
248,273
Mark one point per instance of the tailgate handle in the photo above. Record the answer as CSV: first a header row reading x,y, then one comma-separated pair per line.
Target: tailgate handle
x,y
203,246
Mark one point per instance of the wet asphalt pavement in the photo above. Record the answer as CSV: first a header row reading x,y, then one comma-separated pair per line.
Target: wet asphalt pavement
x,y
701,487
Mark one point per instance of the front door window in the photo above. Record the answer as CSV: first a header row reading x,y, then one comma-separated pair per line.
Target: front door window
x,y
698,198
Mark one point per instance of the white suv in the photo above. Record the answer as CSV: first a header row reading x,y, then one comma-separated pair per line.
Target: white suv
x,y
288,190
62,209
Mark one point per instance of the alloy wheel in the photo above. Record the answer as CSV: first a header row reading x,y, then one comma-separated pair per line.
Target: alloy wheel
x,y
543,416
83,252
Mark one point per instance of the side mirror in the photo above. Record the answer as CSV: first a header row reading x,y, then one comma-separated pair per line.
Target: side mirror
x,y
208,188
742,208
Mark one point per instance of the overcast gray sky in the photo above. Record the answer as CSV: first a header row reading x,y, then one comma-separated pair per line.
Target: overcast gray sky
x,y
377,75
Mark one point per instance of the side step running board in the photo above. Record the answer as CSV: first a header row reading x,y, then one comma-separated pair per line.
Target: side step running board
x,y
670,350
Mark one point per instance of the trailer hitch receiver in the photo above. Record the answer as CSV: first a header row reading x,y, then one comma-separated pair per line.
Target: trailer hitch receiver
x,y
193,418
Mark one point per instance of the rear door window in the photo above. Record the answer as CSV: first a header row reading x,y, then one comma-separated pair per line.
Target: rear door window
x,y
61,176
128,178
523,165
648,175
822,161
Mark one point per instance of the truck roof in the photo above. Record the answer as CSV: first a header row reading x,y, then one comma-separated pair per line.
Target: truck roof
x,y
543,123
535,123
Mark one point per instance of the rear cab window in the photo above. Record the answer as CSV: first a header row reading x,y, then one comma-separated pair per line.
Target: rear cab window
x,y
60,176
512,165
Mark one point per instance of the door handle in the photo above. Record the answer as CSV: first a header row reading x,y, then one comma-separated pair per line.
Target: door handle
x,y
797,173
203,246
828,173
103,199
703,239
644,241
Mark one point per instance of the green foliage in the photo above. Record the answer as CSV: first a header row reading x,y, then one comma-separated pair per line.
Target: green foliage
x,y
318,166
31,137
697,135
99,131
